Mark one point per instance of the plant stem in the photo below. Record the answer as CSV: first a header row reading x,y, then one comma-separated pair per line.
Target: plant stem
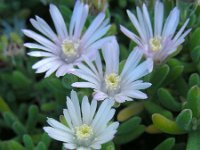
x,y
193,142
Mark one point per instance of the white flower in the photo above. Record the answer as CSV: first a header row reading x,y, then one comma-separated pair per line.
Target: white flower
x,y
63,50
161,42
88,127
112,84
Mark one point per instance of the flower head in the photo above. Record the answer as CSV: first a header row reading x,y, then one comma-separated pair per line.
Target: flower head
x,y
159,43
63,50
110,83
88,127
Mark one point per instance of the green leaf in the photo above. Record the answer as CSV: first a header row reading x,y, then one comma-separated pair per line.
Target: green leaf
x,y
108,146
54,84
18,128
19,80
123,52
152,108
28,142
49,106
122,4
3,106
152,129
68,79
193,142
195,38
46,139
167,144
41,146
168,101
166,125
125,138
193,101
32,117
184,119
181,86
195,54
128,125
158,76
9,118
176,69
121,65
194,80
11,145
129,111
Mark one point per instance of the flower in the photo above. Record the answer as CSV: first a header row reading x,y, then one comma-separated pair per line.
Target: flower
x,y
161,42
112,84
88,127
64,50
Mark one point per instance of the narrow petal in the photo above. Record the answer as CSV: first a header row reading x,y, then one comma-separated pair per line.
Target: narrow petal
x,y
171,23
158,18
84,85
111,56
42,40
92,28
58,21
135,94
40,54
132,61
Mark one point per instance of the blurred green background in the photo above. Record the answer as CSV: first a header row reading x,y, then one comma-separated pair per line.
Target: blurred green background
x,y
26,98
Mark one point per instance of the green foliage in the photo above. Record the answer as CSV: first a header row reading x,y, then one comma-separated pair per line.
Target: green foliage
x,y
184,119
166,144
26,99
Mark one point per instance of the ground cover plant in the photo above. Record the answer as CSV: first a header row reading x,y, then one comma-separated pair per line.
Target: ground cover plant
x,y
99,74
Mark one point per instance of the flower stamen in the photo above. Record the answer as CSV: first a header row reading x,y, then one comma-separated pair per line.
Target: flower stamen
x,y
112,81
84,132
70,48
155,44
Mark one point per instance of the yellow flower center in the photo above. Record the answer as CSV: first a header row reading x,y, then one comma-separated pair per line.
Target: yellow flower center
x,y
155,44
70,48
112,81
84,132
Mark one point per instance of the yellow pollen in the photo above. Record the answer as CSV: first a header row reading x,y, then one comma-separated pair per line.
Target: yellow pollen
x,y
112,81
155,44
70,48
83,132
